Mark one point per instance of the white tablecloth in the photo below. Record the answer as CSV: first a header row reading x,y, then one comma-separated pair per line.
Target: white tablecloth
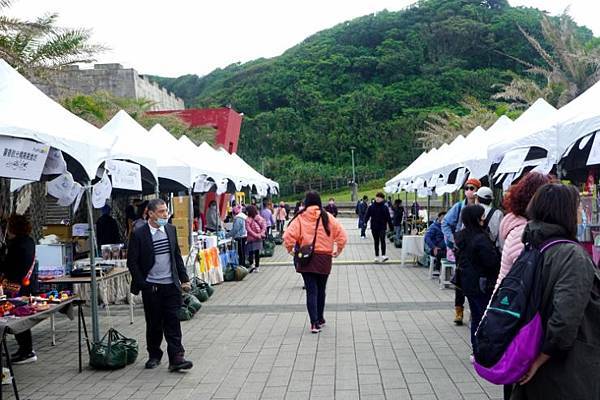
x,y
412,245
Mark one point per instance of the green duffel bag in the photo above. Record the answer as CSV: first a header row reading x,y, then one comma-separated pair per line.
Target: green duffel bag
x,y
201,294
184,313
229,274
192,303
240,273
278,240
113,351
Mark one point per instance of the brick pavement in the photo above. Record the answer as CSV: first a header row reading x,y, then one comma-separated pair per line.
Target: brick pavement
x,y
388,336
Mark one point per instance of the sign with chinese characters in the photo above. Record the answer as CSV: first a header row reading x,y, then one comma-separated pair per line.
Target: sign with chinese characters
x,y
125,175
22,159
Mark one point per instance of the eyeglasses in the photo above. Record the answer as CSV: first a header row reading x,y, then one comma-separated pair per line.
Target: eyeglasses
x,y
470,188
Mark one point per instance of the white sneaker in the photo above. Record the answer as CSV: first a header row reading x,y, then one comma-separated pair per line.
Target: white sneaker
x,y
377,259
384,258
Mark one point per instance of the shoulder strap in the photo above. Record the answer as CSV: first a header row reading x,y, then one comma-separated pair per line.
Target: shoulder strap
x,y
316,231
489,217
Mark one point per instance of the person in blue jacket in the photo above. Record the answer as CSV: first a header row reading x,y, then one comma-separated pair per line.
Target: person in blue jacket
x,y
434,238
452,224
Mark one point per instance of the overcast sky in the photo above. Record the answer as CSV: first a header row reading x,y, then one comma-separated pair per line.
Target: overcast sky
x,y
178,37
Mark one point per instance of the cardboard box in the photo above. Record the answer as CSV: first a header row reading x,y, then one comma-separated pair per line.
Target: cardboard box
x,y
181,207
182,225
62,231
184,245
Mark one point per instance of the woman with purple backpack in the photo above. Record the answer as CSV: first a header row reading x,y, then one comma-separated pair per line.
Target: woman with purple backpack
x,y
568,366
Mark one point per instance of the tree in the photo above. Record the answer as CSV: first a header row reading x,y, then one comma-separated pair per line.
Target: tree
x,y
35,47
570,67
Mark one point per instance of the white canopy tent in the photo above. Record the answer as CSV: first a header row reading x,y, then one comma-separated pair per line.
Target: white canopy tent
x,y
127,135
575,120
261,182
26,112
180,169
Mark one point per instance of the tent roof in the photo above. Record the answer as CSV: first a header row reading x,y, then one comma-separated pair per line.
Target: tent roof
x,y
26,112
172,166
128,135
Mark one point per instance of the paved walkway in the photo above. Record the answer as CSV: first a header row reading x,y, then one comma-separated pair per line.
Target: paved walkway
x,y
388,336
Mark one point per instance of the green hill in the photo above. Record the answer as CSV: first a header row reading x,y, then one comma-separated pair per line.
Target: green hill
x,y
367,83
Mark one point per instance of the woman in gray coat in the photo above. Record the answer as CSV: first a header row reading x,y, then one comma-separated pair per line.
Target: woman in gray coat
x,y
568,366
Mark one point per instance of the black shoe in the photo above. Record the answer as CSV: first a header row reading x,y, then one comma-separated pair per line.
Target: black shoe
x,y
24,358
180,364
152,363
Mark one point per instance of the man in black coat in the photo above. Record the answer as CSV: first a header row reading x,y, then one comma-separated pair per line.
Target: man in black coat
x,y
361,211
379,214
158,271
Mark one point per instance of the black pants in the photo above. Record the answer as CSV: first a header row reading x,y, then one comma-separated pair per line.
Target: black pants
x,y
161,303
25,342
315,285
362,226
459,298
379,238
241,249
254,256
280,226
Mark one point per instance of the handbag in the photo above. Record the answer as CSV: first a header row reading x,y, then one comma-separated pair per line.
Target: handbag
x,y
303,254
113,351
12,289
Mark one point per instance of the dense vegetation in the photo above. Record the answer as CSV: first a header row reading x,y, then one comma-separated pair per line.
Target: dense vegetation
x,y
369,83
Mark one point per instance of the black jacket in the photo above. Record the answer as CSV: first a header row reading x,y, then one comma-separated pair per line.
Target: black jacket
x,y
570,313
140,257
398,216
478,262
332,209
361,209
107,230
18,258
379,214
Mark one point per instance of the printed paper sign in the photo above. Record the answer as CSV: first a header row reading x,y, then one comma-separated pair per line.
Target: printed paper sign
x,y
55,163
64,189
513,161
22,159
125,175
101,192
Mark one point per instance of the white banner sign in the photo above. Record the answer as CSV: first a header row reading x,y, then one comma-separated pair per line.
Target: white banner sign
x,y
125,175
22,159
513,161
64,189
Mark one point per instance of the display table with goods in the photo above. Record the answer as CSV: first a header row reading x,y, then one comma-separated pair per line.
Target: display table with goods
x,y
18,315
412,245
112,276
210,255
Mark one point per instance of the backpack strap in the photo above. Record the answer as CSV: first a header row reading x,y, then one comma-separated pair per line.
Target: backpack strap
x,y
486,223
550,243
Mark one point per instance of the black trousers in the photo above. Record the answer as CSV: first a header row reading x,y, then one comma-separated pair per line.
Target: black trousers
x,y
254,257
315,285
241,249
459,298
161,303
280,226
25,342
379,238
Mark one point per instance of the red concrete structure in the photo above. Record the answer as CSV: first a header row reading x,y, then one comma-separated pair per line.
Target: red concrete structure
x,y
225,120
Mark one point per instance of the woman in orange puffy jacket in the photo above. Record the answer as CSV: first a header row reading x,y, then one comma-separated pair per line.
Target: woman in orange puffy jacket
x,y
314,224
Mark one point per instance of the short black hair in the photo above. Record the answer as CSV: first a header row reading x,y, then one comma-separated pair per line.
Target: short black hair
x,y
365,197
380,195
482,200
154,203
471,216
557,204
441,214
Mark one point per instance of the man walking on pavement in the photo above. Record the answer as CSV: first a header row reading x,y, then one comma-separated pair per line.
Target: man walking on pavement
x,y
379,214
361,211
158,271
452,224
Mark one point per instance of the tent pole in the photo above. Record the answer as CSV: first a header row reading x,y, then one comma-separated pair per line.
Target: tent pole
x,y
93,283
429,213
156,190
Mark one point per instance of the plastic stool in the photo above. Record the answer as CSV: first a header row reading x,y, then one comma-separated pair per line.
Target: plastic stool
x,y
446,273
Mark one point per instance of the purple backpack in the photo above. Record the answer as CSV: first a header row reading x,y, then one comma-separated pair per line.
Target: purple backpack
x,y
510,334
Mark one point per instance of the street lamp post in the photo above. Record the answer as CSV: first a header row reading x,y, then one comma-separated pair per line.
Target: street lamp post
x,y
354,195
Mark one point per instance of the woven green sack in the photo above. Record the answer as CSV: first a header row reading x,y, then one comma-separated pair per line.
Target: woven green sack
x,y
192,303
110,352
209,289
240,273
202,284
229,274
201,294
184,313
